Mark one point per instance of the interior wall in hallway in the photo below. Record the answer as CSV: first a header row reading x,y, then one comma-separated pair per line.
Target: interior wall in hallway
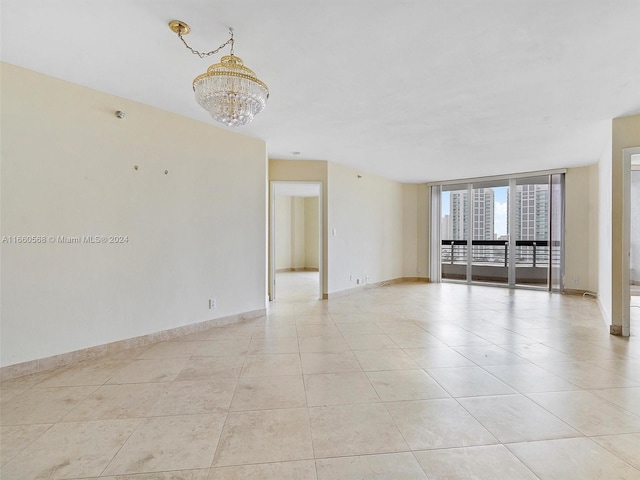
x,y
311,233
296,224
635,228
283,232
297,233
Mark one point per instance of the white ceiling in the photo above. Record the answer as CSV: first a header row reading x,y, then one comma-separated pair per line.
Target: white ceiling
x,y
412,90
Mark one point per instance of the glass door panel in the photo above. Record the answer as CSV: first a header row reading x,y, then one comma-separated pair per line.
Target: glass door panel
x,y
532,230
556,236
489,235
454,232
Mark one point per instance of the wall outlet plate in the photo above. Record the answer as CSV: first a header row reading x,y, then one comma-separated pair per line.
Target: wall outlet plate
x,y
212,303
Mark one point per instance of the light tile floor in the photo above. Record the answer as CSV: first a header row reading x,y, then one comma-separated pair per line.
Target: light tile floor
x,y
410,381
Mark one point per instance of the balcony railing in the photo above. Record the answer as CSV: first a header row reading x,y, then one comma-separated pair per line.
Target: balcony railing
x,y
490,259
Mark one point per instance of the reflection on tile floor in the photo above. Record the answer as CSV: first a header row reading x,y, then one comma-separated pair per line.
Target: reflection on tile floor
x,y
412,381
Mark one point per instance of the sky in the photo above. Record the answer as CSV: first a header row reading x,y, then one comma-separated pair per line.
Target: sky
x,y
500,211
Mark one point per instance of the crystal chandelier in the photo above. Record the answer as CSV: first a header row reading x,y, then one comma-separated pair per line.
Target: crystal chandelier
x,y
229,91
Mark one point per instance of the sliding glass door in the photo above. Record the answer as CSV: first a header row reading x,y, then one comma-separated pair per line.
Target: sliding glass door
x,y
507,231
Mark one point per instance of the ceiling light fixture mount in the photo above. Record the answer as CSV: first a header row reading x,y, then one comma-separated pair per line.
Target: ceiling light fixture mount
x,y
179,27
229,91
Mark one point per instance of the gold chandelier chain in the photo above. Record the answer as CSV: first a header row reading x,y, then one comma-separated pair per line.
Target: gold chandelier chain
x,y
212,52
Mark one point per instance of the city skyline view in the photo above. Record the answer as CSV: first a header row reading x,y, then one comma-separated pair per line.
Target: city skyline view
x,y
491,213
500,209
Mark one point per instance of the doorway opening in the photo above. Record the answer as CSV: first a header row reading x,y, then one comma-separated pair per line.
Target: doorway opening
x,y
295,243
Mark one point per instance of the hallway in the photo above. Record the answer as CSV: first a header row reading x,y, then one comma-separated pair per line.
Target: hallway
x,y
297,287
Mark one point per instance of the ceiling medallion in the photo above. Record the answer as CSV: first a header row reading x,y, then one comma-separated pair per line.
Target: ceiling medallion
x,y
229,91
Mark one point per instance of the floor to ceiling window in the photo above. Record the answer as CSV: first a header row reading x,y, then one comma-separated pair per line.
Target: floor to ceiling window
x,y
502,231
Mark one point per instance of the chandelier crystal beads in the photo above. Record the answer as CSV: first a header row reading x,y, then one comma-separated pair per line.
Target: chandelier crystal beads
x,y
229,91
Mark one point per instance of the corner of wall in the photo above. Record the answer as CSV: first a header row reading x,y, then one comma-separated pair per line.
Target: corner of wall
x,y
604,231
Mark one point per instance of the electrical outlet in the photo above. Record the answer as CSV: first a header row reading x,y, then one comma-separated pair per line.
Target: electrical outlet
x,y
574,281
212,303
357,281
366,279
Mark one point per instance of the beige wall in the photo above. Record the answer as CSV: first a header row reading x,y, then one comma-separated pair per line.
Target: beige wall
x,y
68,170
367,216
415,248
423,229
634,258
283,234
297,233
311,233
581,217
594,222
604,233
410,230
